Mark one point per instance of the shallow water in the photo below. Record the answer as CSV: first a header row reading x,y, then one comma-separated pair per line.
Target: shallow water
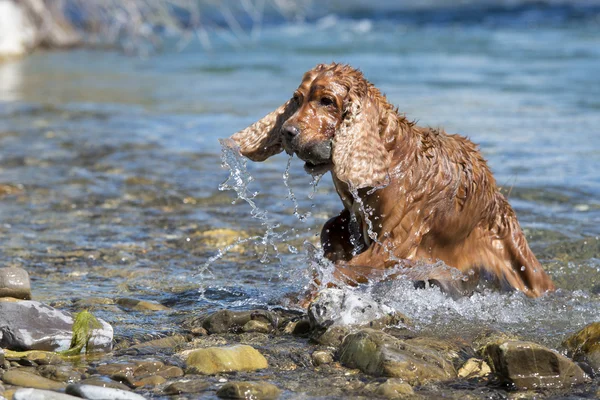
x,y
112,165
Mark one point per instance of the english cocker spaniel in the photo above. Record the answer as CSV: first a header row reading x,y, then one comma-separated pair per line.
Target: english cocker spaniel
x,y
412,195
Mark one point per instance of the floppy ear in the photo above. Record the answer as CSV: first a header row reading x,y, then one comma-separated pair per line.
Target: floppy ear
x,y
262,139
359,155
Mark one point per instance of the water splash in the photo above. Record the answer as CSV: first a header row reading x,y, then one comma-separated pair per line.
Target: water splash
x,y
291,196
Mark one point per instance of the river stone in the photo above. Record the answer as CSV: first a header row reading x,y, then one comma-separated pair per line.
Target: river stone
x,y
584,345
344,307
257,326
214,360
103,381
38,394
529,365
226,321
92,392
140,305
474,368
394,388
31,325
249,390
27,379
321,357
187,386
379,354
151,380
62,373
14,282
39,357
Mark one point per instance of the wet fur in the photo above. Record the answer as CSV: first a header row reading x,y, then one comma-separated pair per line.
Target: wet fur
x,y
431,195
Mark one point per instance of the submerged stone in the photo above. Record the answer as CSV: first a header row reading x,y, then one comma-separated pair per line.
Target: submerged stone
x,y
92,392
27,379
584,345
187,386
249,390
226,321
39,394
379,354
214,360
14,282
474,368
321,357
31,325
140,305
528,365
394,388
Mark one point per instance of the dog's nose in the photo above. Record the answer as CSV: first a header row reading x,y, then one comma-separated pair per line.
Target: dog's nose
x,y
291,131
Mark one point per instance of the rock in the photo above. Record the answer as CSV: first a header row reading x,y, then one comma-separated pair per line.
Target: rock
x,y
38,394
332,337
39,357
474,368
529,365
92,392
14,282
140,305
214,360
31,325
225,321
379,354
170,371
584,345
27,379
297,327
152,380
394,389
187,386
104,382
62,373
249,390
321,357
344,307
257,326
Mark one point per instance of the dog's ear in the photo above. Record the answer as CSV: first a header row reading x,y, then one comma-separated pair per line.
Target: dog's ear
x,y
359,155
262,139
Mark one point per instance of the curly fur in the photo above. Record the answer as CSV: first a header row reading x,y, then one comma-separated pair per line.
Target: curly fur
x,y
430,196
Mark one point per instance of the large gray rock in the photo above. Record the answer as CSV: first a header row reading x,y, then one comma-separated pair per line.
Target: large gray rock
x,y
31,325
14,282
528,365
379,354
92,392
39,394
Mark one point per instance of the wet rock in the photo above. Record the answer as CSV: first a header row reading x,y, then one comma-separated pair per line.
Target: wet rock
x,y
529,365
249,390
168,342
321,357
215,360
170,371
140,305
584,345
61,373
257,326
489,337
27,379
31,325
152,380
297,327
38,394
187,386
104,382
474,368
14,282
394,389
342,307
333,336
121,372
226,321
92,392
39,357
379,354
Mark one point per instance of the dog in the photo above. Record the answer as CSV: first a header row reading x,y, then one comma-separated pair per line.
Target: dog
x,y
412,195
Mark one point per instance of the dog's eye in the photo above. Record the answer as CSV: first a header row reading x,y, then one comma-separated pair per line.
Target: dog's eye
x,y
296,98
327,101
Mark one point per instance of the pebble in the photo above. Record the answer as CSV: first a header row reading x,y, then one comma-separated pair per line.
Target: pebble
x,y
249,390
29,380
140,305
321,357
92,392
394,389
14,282
187,386
214,360
256,326
474,368
38,394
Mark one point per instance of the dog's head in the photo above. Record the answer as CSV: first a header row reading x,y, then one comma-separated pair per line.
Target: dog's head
x,y
333,120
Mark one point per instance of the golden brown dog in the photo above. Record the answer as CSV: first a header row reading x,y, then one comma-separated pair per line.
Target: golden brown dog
x,y
410,194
